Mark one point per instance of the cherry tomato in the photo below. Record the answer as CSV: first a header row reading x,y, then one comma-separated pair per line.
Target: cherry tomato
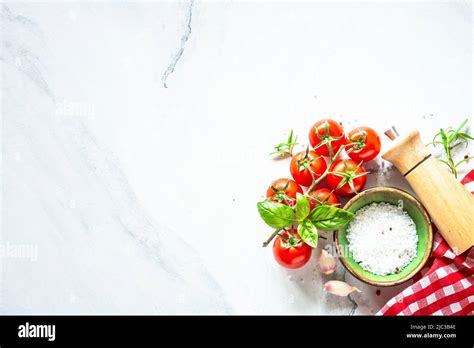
x,y
293,253
326,137
305,162
284,191
364,144
349,178
322,196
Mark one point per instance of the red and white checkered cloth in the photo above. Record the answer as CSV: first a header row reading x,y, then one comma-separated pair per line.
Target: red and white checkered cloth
x,y
446,286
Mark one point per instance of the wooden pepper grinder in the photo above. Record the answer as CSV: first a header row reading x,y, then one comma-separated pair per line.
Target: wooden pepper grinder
x,y
449,204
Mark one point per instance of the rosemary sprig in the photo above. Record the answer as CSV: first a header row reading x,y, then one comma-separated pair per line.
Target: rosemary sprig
x,y
448,139
283,150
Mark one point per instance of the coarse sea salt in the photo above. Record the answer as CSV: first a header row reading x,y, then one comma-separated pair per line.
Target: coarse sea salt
x,y
382,238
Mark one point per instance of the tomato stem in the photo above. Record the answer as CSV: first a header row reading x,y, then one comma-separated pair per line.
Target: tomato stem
x,y
326,172
268,241
326,139
286,239
292,231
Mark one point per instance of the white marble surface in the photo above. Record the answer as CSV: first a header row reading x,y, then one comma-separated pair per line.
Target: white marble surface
x,y
140,198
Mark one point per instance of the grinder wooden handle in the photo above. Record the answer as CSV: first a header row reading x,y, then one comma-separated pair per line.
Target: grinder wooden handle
x,y
449,204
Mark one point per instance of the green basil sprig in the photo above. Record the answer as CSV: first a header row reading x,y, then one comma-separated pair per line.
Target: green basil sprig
x,y
329,218
306,229
324,217
308,233
276,215
302,207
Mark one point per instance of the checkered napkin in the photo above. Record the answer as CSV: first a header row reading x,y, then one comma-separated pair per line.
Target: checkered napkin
x,y
445,286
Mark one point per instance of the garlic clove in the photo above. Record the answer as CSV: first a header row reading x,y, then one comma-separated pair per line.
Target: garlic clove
x,y
326,262
339,288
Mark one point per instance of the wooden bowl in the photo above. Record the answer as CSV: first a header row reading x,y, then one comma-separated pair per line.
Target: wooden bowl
x,y
423,228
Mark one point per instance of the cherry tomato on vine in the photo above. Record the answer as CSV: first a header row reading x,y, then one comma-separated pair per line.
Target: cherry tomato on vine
x,y
284,191
364,144
322,196
326,137
347,177
292,252
304,165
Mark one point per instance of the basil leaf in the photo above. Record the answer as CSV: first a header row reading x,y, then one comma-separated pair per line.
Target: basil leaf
x,y
328,218
276,215
308,233
302,206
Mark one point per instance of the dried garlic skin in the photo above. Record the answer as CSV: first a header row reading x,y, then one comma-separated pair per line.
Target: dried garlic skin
x,y
339,288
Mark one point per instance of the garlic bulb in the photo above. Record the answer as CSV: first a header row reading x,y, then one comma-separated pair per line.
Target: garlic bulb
x,y
326,262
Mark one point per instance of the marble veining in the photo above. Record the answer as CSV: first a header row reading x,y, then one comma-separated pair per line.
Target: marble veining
x,y
97,202
184,39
